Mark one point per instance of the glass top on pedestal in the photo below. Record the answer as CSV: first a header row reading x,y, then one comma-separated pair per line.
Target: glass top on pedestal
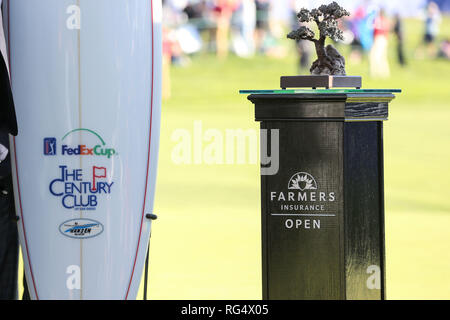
x,y
319,91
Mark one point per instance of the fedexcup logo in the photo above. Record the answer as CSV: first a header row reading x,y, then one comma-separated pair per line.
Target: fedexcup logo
x,y
302,181
81,228
99,148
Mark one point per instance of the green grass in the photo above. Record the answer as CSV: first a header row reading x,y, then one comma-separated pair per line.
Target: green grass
x,y
206,242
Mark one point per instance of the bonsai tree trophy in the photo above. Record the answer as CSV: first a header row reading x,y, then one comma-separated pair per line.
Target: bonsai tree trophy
x,y
329,62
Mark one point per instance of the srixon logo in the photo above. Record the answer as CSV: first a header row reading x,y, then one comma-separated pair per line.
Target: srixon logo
x,y
97,148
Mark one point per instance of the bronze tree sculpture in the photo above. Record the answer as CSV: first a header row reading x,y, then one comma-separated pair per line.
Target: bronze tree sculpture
x,y
329,61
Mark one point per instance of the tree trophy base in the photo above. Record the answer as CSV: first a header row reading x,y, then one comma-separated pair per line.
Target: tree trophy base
x,y
321,81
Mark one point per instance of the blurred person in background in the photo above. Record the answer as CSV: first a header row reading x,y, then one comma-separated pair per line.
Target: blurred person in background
x,y
223,10
273,15
366,27
175,21
304,48
262,24
173,12
194,11
166,63
444,49
200,15
399,34
173,18
432,22
378,59
355,21
244,23
279,17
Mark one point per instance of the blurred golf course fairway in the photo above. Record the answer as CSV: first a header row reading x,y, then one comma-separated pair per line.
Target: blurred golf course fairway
x,y
206,242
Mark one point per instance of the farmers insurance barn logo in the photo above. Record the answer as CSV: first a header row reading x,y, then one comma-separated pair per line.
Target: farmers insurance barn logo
x,y
302,181
99,149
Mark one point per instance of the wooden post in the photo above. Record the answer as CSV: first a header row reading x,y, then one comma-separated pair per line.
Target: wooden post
x,y
323,211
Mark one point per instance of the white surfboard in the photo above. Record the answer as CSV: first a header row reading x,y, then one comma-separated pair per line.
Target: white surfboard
x,y
86,78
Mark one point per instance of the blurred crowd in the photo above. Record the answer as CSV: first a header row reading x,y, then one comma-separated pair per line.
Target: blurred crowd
x,y
250,27
242,26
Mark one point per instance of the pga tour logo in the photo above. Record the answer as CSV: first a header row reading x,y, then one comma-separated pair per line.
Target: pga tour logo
x,y
81,228
50,146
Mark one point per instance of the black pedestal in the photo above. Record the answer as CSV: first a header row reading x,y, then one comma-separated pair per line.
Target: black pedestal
x,y
323,211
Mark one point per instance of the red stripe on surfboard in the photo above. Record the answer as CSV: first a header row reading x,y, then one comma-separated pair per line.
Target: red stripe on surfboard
x,y
148,156
17,170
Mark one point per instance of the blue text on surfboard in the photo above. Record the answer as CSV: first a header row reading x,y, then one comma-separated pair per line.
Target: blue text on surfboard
x,y
76,193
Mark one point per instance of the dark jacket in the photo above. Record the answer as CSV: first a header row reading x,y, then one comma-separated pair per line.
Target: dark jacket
x,y
8,122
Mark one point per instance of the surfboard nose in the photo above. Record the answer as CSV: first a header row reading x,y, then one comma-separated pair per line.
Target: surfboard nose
x,y
85,160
